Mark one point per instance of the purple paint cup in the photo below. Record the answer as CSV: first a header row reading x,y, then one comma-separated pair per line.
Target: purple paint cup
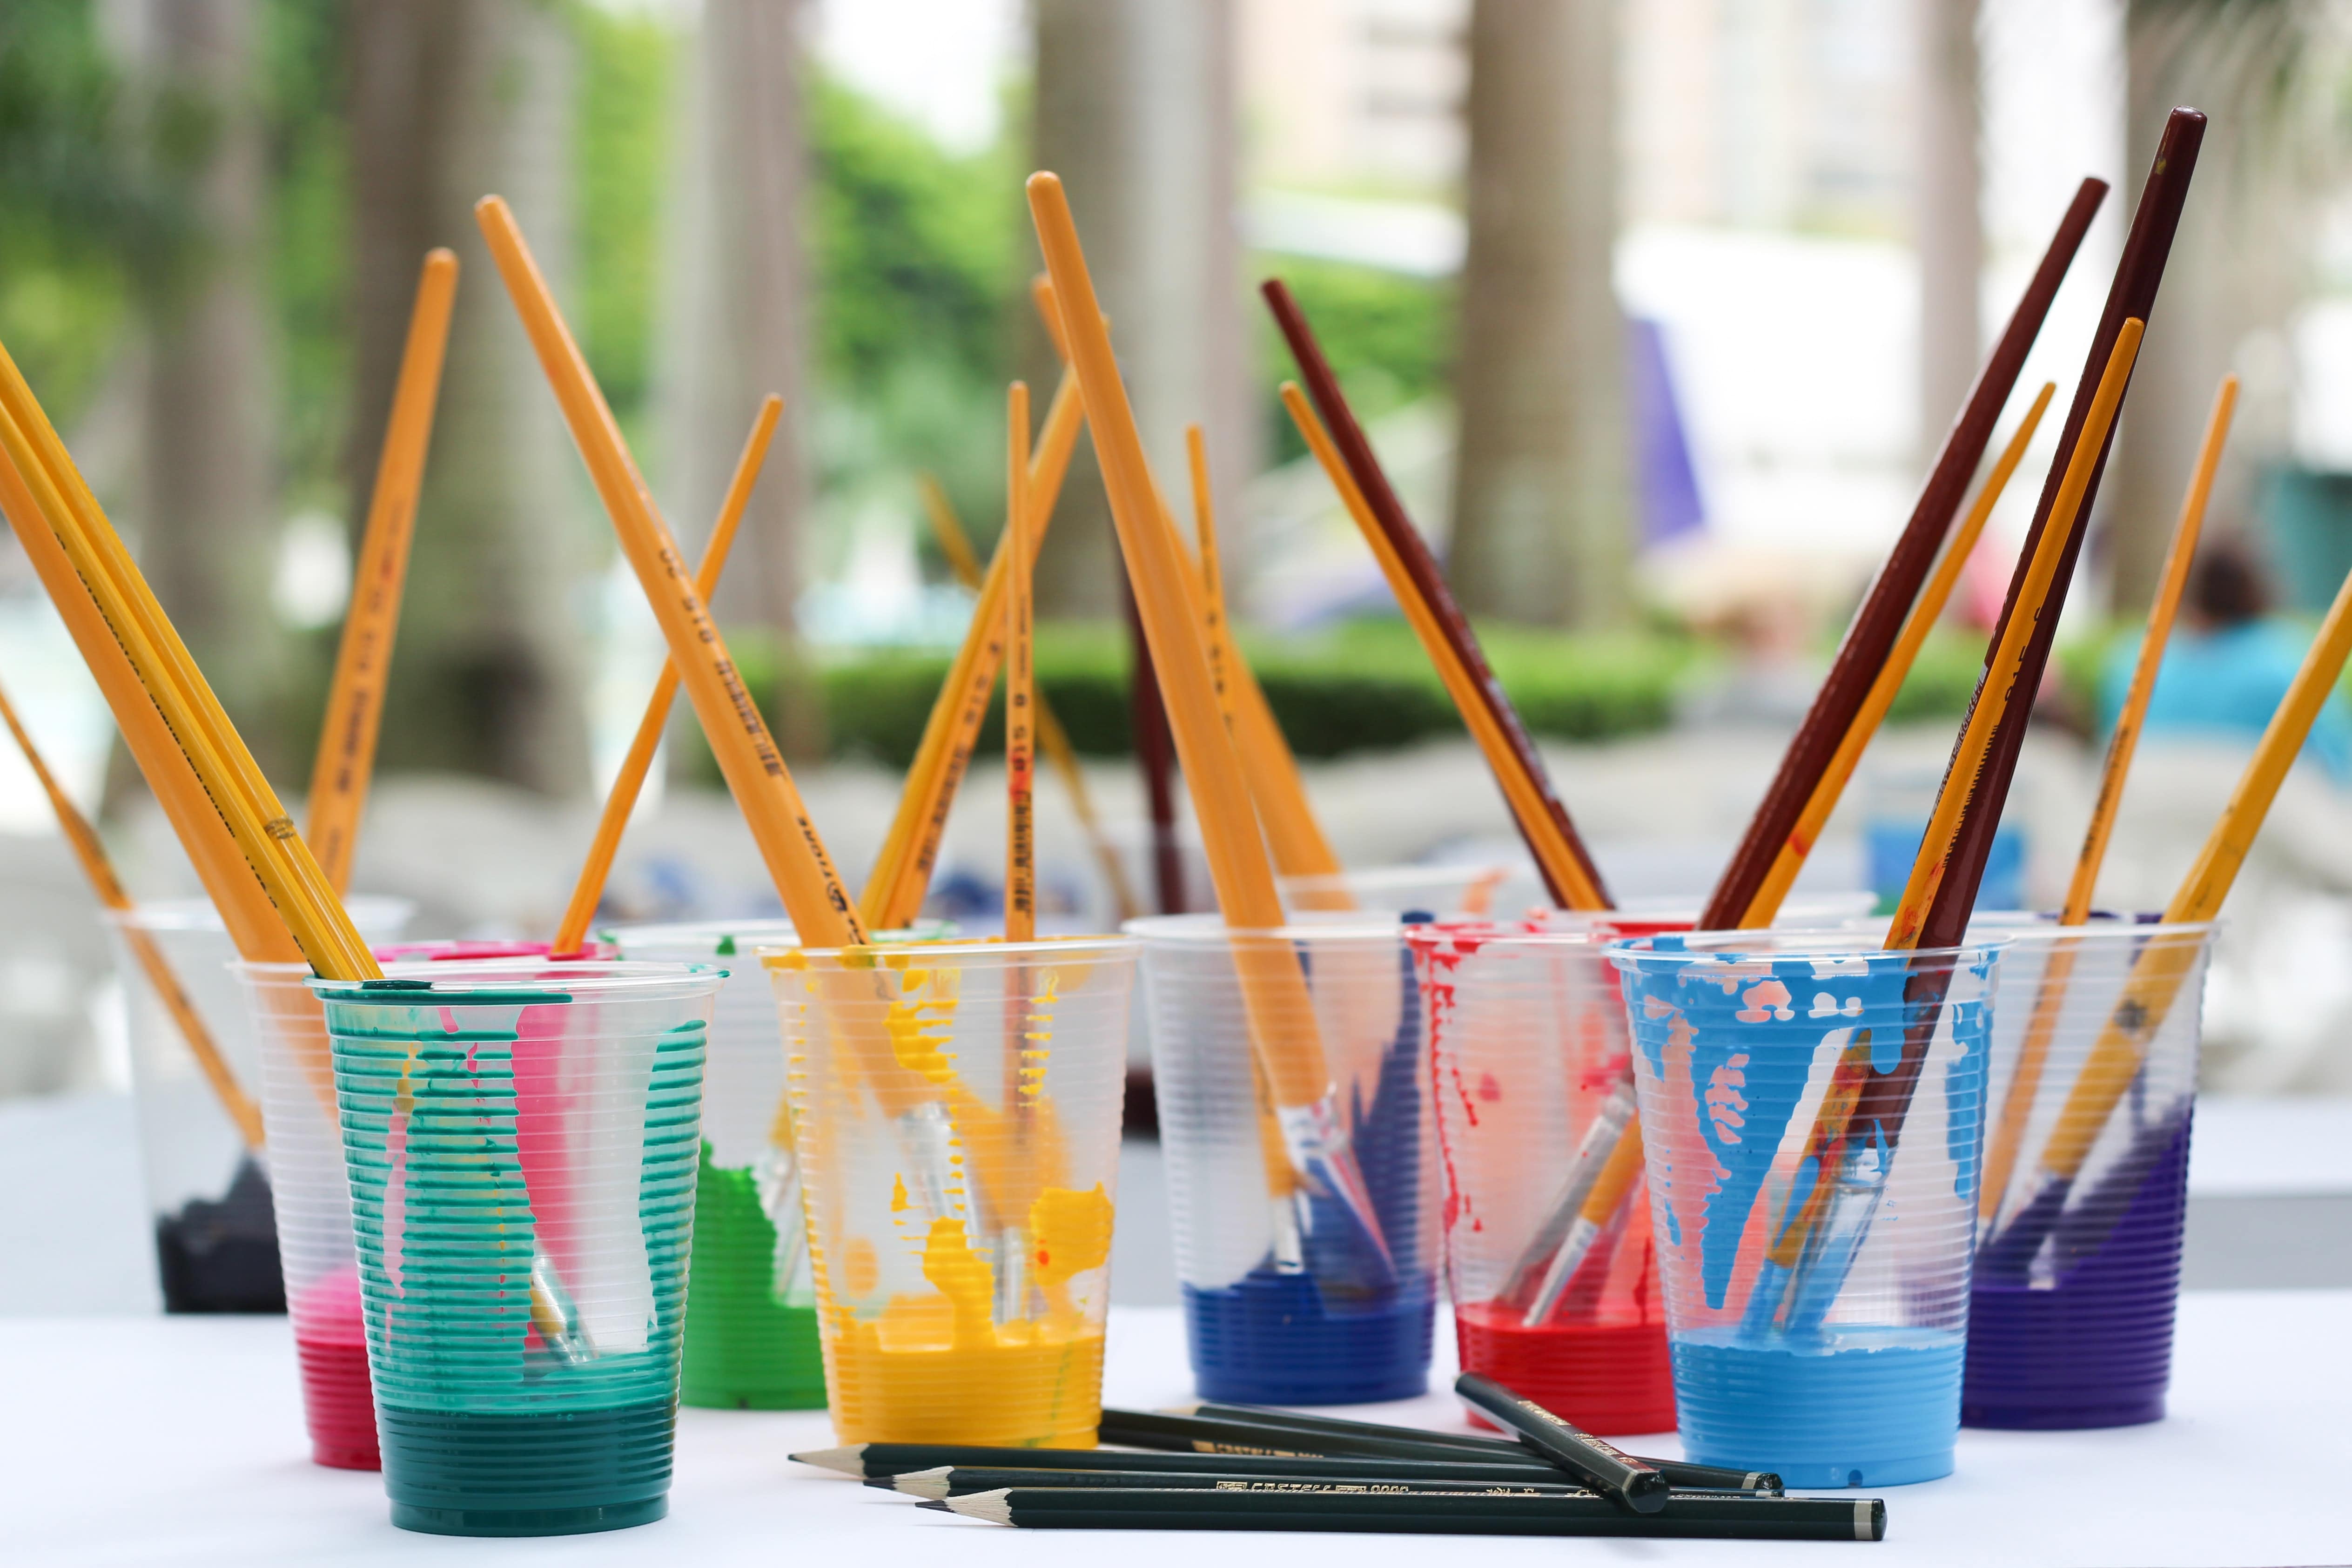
x,y
2078,1270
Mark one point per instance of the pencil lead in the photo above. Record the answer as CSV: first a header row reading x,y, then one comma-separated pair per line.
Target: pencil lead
x,y
929,1502
850,1461
931,1483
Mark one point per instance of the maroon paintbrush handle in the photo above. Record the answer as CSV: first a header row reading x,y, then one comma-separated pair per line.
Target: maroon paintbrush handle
x,y
1879,621
2138,275
1364,468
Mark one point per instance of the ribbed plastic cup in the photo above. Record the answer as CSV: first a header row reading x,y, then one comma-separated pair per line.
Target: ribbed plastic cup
x,y
956,1111
2070,1316
1528,1055
1817,1318
314,1213
215,1228
750,1321
520,1136
1284,1303
313,1196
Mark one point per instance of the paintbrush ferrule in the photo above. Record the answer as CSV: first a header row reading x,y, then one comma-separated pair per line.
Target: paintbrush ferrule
x,y
1319,1151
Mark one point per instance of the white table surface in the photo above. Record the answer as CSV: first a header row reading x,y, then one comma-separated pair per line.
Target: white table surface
x,y
178,1440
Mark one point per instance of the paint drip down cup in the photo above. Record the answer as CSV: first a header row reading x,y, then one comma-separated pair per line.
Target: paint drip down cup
x,y
2086,1171
520,1136
1549,1255
1306,1237
1812,1110
956,1111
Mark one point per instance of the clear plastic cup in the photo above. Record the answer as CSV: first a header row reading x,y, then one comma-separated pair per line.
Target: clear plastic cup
x,y
314,1213
216,1231
1287,1299
1814,1225
313,1194
2086,1171
956,1111
1549,1254
750,1320
519,1135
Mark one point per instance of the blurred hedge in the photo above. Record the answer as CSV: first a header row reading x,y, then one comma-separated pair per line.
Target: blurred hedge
x,y
1364,687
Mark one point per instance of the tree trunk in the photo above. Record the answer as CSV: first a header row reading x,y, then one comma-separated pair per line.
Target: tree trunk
x,y
1543,501
2238,271
740,324
1951,224
209,508
452,100
1135,107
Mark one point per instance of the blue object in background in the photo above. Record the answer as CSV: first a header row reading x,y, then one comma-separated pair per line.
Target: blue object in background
x,y
1667,480
1893,843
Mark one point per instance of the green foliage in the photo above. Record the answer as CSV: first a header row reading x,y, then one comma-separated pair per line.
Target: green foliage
x,y
1363,686
309,262
915,256
1389,338
79,211
627,60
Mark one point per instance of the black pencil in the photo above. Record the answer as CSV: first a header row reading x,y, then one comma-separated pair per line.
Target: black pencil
x,y
872,1461
1425,1513
1680,1474
1605,1468
960,1480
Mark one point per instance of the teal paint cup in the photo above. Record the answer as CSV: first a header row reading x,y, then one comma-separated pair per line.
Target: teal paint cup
x,y
521,1137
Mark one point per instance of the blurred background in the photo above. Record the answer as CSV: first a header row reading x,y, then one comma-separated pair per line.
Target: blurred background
x,y
1656,311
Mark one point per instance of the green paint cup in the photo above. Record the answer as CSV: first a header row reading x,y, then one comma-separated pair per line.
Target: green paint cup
x,y
750,1325
520,1139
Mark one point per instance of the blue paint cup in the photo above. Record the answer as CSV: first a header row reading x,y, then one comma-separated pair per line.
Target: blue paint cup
x,y
1290,1297
2087,1173
1812,1110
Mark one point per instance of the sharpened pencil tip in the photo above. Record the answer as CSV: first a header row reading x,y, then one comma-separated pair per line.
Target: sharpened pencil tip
x,y
932,1502
850,1461
930,1483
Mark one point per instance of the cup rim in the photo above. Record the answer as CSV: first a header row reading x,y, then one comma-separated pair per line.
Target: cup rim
x,y
462,982
1106,944
1209,929
1796,943
2039,925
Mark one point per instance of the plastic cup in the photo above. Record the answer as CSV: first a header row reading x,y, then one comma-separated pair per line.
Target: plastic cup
x,y
2069,1314
215,1230
750,1320
519,1135
1817,1294
1285,1304
956,1112
1532,1084
314,1213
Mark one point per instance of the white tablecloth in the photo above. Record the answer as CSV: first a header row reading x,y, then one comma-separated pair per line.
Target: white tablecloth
x,y
148,1440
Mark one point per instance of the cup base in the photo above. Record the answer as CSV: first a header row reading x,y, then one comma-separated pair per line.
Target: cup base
x,y
1868,1406
557,1472
527,1521
2062,1417
1270,1340
1612,1379
338,1405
